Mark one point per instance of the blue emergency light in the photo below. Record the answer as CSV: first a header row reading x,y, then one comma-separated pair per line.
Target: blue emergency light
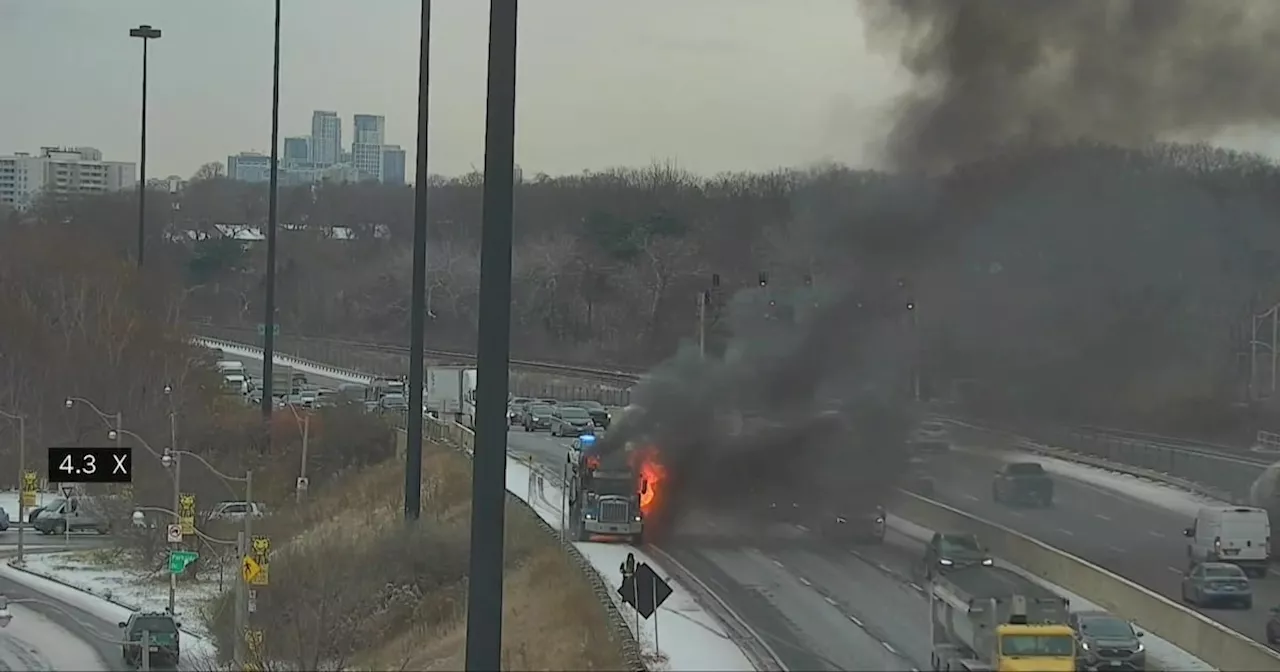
x,y
587,438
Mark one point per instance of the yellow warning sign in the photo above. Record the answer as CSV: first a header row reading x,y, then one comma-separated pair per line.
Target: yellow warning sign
x,y
250,569
254,639
30,487
187,513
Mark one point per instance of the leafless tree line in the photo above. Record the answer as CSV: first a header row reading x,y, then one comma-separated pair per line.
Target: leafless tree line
x,y
1083,280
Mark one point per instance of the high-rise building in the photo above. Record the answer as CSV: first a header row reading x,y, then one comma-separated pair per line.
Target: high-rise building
x,y
368,133
326,137
392,165
61,170
368,129
297,149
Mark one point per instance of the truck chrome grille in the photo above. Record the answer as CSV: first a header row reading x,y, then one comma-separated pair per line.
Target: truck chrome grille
x,y
614,511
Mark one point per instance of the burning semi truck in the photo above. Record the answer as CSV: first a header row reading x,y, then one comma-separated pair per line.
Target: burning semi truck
x,y
608,492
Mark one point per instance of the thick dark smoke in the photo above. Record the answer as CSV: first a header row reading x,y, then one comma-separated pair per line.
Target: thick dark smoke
x,y
806,405
991,74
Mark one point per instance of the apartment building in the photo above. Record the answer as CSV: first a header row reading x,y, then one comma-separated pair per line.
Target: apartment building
x,y
61,170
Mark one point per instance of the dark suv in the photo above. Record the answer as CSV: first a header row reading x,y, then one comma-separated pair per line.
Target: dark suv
x,y
162,631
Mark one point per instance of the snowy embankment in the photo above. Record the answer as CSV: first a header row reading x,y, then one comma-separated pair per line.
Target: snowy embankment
x,y
690,638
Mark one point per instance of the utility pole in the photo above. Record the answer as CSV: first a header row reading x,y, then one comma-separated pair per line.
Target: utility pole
x,y
302,469
146,34
489,490
273,211
704,297
418,288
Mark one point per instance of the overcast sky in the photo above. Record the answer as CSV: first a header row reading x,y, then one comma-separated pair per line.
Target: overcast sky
x,y
712,84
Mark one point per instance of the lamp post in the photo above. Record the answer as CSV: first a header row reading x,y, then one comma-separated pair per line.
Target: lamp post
x,y
113,421
304,423
269,319
169,459
116,434
146,33
22,469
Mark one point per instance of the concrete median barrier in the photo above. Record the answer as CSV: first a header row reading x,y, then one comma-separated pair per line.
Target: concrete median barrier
x,y
1208,640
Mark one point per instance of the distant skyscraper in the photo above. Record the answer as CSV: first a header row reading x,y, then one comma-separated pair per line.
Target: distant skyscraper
x,y
326,137
369,132
392,165
297,149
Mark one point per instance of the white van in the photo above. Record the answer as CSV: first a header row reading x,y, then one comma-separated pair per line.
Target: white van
x,y
1240,535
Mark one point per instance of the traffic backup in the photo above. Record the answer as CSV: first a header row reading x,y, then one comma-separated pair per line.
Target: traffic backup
x,y
112,464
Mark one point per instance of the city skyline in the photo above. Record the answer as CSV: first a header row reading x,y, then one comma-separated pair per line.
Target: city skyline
x,y
601,85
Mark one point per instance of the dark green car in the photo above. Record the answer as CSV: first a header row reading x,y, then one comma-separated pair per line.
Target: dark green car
x,y
162,632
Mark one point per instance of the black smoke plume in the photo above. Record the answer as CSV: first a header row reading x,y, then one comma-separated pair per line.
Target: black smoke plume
x,y
806,405
991,74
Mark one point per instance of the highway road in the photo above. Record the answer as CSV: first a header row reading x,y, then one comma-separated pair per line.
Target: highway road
x,y
1136,539
817,607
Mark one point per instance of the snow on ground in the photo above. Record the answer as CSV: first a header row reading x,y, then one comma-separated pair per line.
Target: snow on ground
x,y
681,636
138,590
34,642
1160,495
1169,656
197,652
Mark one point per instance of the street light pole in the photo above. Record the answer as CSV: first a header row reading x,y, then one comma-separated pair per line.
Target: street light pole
x,y
22,470
302,469
146,33
269,320
419,301
489,490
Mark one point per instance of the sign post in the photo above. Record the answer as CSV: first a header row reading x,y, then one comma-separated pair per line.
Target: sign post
x,y
645,591
30,488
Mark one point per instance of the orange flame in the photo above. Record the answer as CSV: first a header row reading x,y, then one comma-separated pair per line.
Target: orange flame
x,y
653,474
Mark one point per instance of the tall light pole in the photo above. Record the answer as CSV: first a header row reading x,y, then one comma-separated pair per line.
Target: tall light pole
x,y
269,319
418,289
146,34
22,470
493,354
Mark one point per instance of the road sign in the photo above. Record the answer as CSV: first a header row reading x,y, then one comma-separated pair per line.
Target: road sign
x,y
261,549
30,487
303,483
250,569
253,601
178,560
262,329
254,639
644,590
68,490
187,513
174,534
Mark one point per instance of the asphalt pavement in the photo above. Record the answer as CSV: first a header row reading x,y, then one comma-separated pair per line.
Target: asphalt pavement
x,y
1131,537
817,607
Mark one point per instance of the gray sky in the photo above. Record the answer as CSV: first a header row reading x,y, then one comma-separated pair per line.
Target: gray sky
x,y
712,84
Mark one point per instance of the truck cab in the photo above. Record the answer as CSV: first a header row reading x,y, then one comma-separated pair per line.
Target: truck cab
x,y
604,494
972,628
1025,483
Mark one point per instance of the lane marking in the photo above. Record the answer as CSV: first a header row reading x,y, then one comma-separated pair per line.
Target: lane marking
x,y
971,497
1099,515
889,647
1067,532
805,582
779,564
802,528
1175,570
829,600
1117,549
1155,534
855,620
916,587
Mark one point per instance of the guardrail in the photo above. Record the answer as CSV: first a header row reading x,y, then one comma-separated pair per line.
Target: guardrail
x,y
1203,469
1221,647
621,376
609,396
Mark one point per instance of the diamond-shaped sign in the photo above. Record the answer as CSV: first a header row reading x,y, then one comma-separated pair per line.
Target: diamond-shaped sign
x,y
644,590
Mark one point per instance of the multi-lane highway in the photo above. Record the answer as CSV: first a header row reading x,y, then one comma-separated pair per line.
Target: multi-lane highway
x,y
1136,539
816,607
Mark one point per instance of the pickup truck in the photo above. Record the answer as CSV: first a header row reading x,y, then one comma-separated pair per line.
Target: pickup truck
x,y
1023,483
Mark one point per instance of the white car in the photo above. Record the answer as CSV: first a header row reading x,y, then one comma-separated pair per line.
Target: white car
x,y
233,511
